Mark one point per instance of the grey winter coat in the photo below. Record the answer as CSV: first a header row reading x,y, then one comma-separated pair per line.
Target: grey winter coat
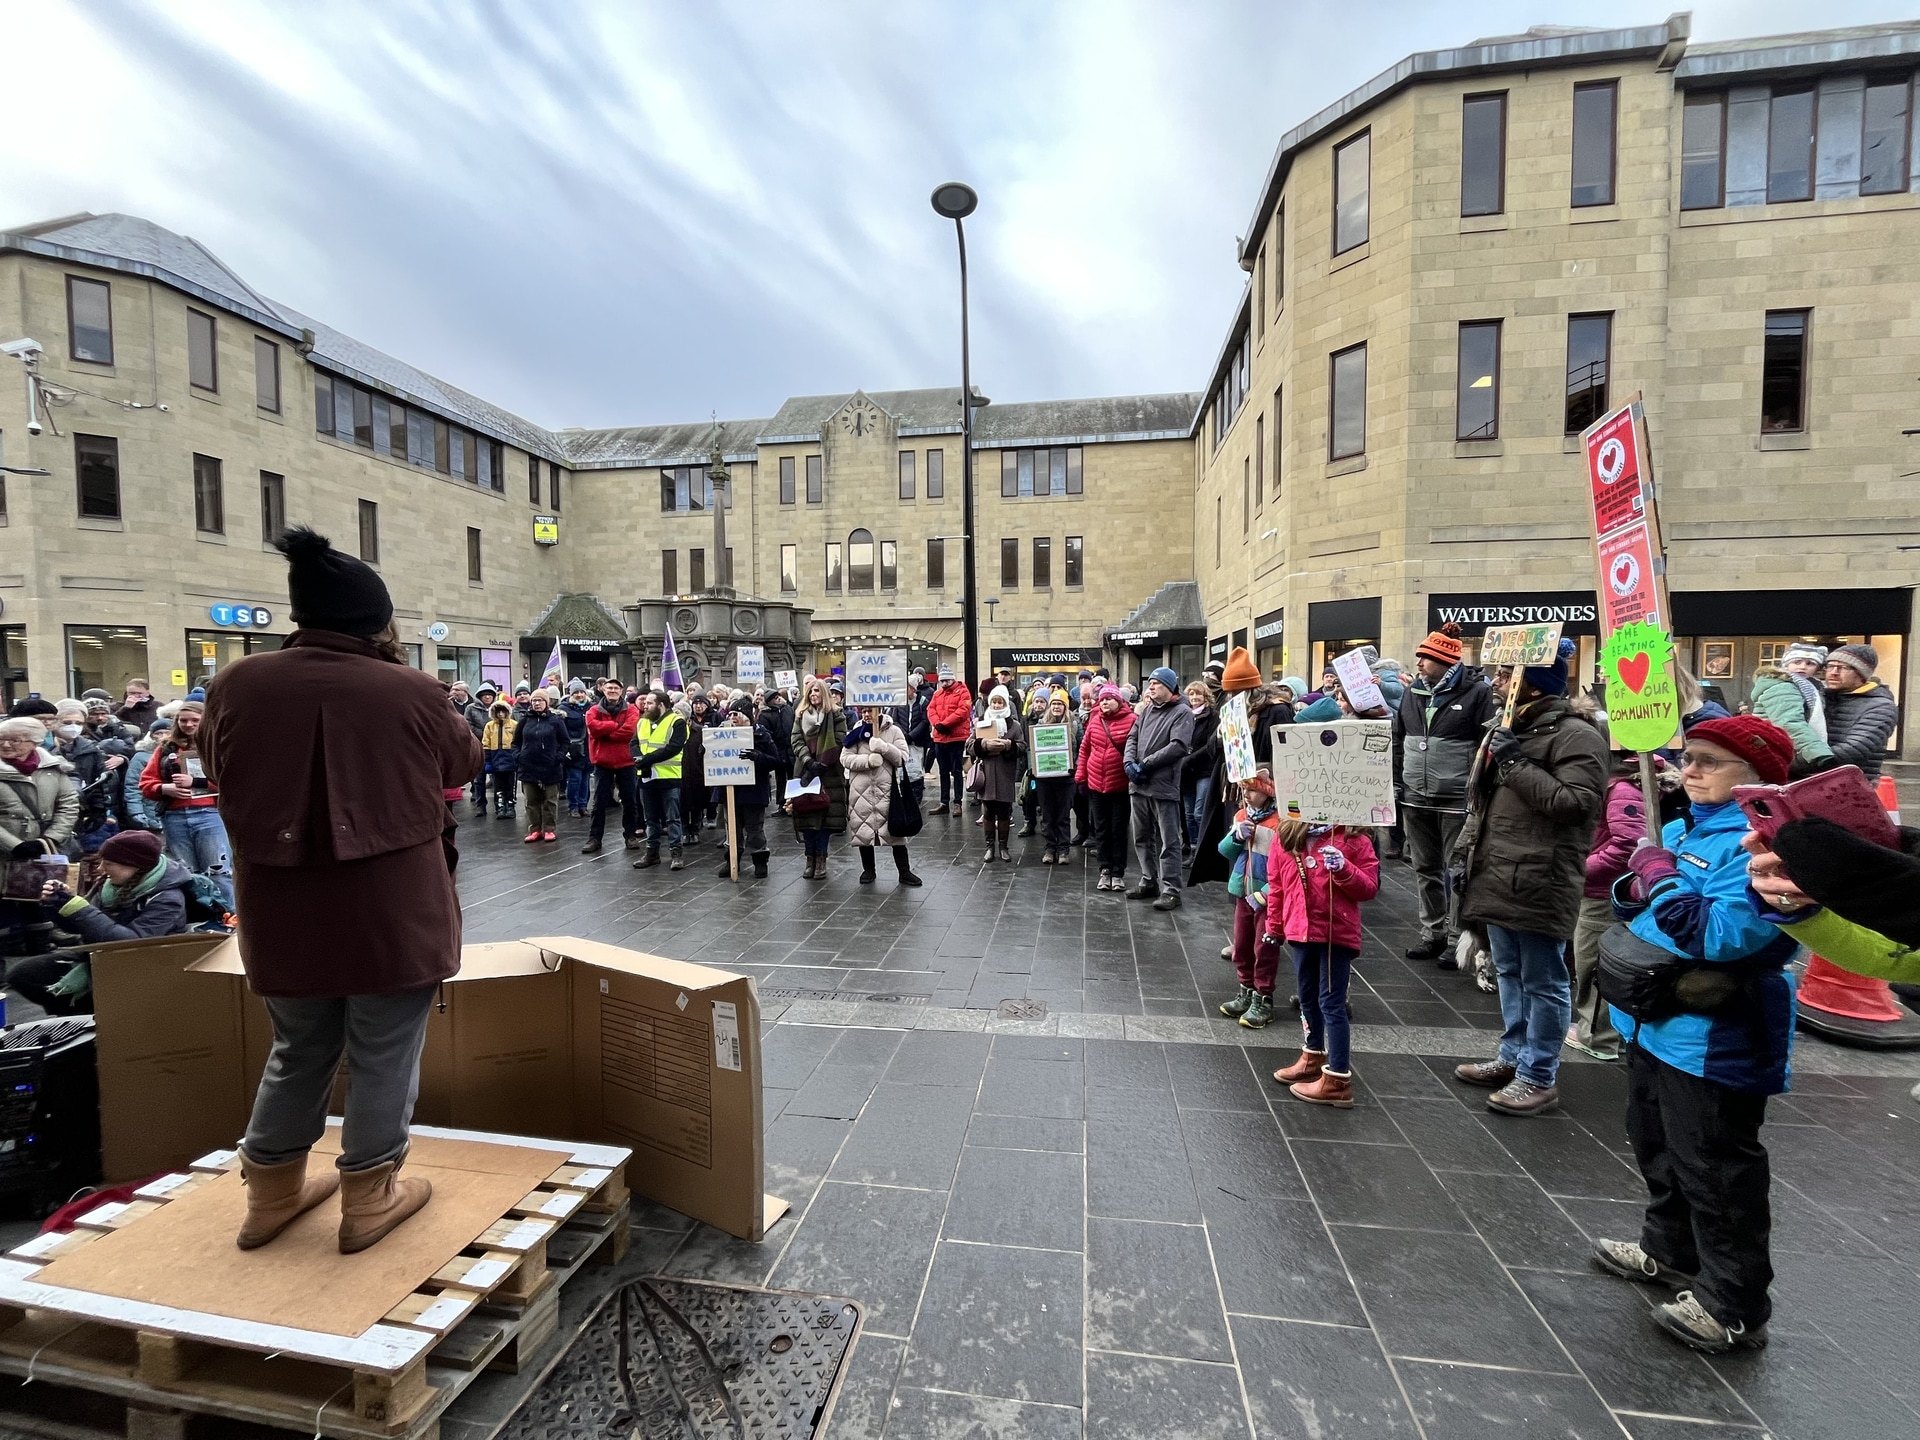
x,y
42,806
1436,734
1859,724
870,767
1530,827
1161,739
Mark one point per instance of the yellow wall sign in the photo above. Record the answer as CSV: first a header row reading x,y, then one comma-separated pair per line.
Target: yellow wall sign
x,y
546,530
179,678
208,649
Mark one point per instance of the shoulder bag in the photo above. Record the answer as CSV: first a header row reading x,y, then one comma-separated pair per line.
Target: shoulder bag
x,y
903,810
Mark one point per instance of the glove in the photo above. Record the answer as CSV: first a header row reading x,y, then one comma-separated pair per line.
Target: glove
x,y
76,982
1650,865
1332,859
1267,937
1506,748
1134,772
1243,831
1257,901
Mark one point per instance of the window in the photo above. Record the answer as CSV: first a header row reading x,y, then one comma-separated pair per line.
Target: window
x,y
343,411
1042,562
696,570
684,489
266,375
1594,119
483,459
936,474
323,405
1076,561
906,474
1347,412
369,532
1883,138
419,439
1703,148
1219,528
1352,164
1260,294
1259,463
473,556
209,506
1009,563
1483,154
553,487
1589,347
90,320
1476,407
1783,373
1279,256
1790,146
96,463
442,447
533,484
363,419
397,431
1028,473
273,506
860,561
1278,414
816,485
936,564
786,479
462,445
833,567
789,569
203,365
669,572
889,565
494,458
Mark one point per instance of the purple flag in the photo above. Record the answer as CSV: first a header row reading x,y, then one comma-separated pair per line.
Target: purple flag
x,y
670,664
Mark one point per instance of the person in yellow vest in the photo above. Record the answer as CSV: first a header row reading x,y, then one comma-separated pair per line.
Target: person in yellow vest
x,y
662,741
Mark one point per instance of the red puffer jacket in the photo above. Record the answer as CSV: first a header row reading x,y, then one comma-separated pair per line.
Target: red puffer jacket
x,y
1103,744
1621,827
1304,902
610,736
950,713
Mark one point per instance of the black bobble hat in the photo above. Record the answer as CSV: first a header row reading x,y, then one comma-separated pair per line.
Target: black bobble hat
x,y
332,591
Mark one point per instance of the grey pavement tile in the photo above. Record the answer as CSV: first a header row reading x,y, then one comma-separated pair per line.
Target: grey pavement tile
x,y
1214,1077
1805,1388
1000,1322
907,1135
1367,1123
1449,1137
1376,1185
1849,1299
944,1415
834,1092
1037,1047
1467,1402
1565,1157
1107,1104
1134,1397
799,1151
1656,1427
790,1055
1019,1197
710,1254
1276,1259
1123,1064
1521,1223
865,1401
1396,1075
1242,1154
1151,1290
1050,1088
1318,1382
933,1057
1137,1169
1028,1132
869,1243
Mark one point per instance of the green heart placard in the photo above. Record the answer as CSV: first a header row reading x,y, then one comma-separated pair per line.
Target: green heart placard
x,y
1643,701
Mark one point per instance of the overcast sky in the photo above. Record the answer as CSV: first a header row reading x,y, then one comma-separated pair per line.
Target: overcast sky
x,y
635,211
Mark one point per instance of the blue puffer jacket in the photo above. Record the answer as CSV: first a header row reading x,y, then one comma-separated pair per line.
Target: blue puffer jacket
x,y
1704,913
1249,873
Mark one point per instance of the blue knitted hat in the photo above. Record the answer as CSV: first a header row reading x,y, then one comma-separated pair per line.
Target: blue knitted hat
x,y
1552,679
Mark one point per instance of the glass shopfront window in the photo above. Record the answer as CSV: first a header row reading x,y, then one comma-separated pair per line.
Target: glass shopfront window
x,y
105,657
211,651
475,666
13,664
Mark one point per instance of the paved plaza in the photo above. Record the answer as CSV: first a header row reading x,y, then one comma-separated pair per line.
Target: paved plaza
x,y
1109,1222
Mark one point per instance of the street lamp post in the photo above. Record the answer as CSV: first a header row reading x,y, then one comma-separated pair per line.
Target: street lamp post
x,y
955,202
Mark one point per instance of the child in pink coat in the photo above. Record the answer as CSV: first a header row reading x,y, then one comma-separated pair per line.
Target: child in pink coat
x,y
1317,878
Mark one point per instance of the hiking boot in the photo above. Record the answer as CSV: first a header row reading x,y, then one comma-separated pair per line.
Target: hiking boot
x,y
1145,890
1687,1320
1494,1074
1431,947
1168,901
634,842
1523,1097
373,1203
1630,1262
674,860
278,1195
1305,1070
759,858
1325,1089
592,847
648,860
1025,830
1046,857
1006,855
1260,1013
1236,1007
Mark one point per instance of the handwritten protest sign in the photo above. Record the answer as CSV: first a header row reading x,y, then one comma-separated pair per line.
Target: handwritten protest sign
x,y
1643,700
1363,691
1050,754
1520,644
1236,739
750,665
1339,772
876,677
725,749
786,679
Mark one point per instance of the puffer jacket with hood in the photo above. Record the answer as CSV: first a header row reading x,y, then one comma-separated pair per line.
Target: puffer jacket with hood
x,y
1778,697
152,905
870,765
1437,730
1101,763
950,713
43,806
1859,724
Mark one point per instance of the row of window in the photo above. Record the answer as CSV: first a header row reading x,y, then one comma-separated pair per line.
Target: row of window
x,y
1764,146
357,416
851,569
696,570
90,339
686,490
369,514
936,478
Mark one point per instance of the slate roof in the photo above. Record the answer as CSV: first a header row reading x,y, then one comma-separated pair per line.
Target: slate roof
x,y
629,445
579,617
1176,605
1109,417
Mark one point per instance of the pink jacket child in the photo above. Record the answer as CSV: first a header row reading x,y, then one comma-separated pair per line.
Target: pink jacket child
x,y
1305,900
1621,828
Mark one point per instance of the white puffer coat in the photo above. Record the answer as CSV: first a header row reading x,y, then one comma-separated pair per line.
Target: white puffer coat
x,y
870,766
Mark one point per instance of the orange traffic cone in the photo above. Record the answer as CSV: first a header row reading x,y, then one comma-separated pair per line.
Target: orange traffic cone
x,y
1854,1009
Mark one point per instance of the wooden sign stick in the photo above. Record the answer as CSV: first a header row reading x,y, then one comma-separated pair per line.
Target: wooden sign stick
x,y
733,838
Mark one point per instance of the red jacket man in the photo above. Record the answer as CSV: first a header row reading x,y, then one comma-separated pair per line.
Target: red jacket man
x,y
950,713
610,730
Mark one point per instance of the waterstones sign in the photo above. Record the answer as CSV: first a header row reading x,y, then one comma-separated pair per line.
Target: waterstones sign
x,y
1576,612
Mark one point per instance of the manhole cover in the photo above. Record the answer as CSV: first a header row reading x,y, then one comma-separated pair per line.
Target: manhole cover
x,y
1023,1010
685,1360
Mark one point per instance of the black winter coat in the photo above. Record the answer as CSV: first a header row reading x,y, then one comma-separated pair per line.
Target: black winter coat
x,y
540,749
1205,753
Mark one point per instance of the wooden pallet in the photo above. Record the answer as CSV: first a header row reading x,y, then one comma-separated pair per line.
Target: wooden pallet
x,y
491,1306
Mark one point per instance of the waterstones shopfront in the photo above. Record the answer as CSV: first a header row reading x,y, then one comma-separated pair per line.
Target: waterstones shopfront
x,y
1575,611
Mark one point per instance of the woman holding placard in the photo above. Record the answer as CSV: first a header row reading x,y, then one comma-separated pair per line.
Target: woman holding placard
x,y
874,755
817,794
1052,768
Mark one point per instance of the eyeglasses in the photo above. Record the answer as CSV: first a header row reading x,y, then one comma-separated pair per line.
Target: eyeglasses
x,y
1699,760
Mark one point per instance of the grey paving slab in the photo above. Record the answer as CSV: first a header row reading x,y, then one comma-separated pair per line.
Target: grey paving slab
x,y
1151,1290
1139,1397
1001,1322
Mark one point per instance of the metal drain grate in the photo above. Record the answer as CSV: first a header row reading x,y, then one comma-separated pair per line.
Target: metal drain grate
x,y
686,1360
1023,1010
781,992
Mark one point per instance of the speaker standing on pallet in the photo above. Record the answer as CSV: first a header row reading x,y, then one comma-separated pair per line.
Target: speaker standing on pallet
x,y
332,755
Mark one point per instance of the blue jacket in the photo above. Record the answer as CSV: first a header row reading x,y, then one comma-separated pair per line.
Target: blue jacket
x,y
1249,873
1325,708
1704,913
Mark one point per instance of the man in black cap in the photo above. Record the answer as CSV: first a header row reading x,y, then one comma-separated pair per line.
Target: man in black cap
x,y
331,755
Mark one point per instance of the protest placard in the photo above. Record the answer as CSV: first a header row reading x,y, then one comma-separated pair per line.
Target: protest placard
x,y
724,750
1236,739
786,679
1339,772
1356,678
1520,644
876,677
1050,754
750,664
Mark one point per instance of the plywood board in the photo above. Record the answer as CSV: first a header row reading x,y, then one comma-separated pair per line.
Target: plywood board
x,y
183,1255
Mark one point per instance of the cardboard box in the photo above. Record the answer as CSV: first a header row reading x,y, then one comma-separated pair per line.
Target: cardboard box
x,y
556,1037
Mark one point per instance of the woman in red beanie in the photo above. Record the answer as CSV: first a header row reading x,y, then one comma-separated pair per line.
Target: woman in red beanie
x,y
141,893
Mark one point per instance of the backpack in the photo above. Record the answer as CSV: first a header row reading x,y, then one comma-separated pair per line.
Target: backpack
x,y
207,906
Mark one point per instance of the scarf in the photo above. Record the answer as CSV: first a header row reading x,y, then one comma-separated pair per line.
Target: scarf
x,y
29,762
110,893
811,720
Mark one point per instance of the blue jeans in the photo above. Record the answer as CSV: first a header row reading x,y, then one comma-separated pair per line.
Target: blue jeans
x,y
198,840
1536,1000
661,799
579,784
1323,973
1195,801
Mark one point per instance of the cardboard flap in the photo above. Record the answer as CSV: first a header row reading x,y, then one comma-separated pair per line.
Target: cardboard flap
x,y
681,973
509,957
223,959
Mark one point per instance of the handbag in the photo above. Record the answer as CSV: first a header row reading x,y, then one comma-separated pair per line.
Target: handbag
x,y
977,778
903,810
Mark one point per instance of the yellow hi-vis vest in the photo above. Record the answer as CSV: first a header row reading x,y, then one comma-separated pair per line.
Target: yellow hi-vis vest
x,y
657,735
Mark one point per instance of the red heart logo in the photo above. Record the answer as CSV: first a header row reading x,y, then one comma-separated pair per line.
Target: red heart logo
x,y
1633,671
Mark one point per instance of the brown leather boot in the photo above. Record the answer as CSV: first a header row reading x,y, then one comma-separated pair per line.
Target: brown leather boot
x,y
277,1195
373,1203
1305,1070
1326,1089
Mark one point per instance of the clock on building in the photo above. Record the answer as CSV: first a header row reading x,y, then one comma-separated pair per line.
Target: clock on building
x,y
861,418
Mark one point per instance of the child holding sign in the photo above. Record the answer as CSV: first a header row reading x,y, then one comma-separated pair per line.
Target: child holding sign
x,y
1317,879
1249,846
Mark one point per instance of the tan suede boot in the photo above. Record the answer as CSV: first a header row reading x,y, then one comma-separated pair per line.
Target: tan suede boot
x,y
374,1202
1305,1070
277,1195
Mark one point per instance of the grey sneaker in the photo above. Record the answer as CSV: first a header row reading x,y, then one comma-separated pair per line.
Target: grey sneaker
x,y
1236,1007
1226,953
1523,1097
1687,1320
1630,1262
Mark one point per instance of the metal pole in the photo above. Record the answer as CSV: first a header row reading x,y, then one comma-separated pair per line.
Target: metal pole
x,y
969,605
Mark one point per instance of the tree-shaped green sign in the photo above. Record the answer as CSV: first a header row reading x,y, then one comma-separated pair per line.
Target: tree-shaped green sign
x,y
1643,702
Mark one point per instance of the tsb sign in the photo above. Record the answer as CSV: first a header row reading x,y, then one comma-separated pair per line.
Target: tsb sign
x,y
241,617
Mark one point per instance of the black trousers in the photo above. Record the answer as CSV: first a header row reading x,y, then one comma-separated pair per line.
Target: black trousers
x,y
1708,1215
1111,816
610,785
33,978
1056,812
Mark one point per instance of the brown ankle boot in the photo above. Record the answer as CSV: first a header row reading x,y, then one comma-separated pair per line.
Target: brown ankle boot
x,y
373,1203
1327,1088
277,1195
1304,1070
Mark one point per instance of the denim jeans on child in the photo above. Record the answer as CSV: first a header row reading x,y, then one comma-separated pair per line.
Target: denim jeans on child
x,y
1323,1001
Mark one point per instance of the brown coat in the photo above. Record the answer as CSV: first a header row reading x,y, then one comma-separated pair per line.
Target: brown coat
x,y
330,761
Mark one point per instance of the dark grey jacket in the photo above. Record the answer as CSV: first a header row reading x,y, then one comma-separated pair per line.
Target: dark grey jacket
x,y
1435,736
1859,724
1161,737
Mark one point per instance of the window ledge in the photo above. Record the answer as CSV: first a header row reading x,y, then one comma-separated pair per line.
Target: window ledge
x,y
1481,224
1570,445
212,397
1592,214
272,416
97,522
98,368
1352,465
1350,257
1787,440
209,537
1474,449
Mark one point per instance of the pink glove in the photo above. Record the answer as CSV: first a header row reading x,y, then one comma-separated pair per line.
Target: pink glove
x,y
1650,865
1331,857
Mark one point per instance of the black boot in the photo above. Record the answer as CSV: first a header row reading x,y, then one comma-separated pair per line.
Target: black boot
x,y
1006,854
1026,827
866,864
760,864
649,860
725,869
907,877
